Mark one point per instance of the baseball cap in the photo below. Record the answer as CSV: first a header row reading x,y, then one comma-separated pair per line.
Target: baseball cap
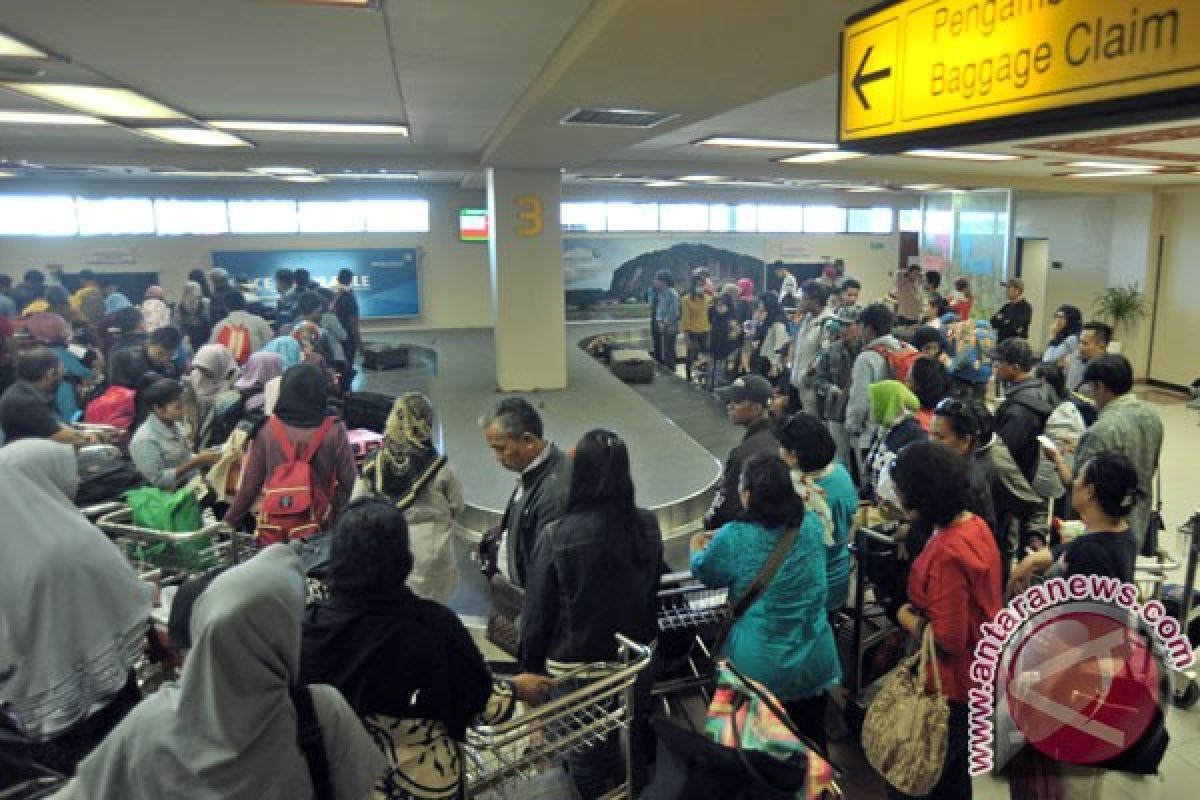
x,y
748,389
848,313
1016,283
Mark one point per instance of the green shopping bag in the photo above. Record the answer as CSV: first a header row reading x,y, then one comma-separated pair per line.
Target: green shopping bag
x,y
171,512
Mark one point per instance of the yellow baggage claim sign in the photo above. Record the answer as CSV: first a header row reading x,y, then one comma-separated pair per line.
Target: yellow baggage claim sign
x,y
951,72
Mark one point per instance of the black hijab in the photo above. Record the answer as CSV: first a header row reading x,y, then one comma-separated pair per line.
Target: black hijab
x,y
303,396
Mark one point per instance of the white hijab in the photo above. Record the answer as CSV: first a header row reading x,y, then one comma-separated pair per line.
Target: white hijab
x,y
228,727
73,615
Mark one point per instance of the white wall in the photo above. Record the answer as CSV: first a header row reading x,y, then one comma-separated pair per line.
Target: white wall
x,y
455,285
1174,355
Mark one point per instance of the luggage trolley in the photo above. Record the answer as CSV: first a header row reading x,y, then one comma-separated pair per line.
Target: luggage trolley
x,y
180,555
688,611
1182,601
499,755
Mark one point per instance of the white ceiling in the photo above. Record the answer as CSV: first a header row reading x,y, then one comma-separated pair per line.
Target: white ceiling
x,y
485,82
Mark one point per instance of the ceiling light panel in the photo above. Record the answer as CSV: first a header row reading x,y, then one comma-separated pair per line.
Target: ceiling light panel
x,y
194,137
103,101
616,117
302,178
922,187
46,118
830,157
348,128
370,176
281,170
1111,165
763,144
1121,173
962,155
12,47
702,178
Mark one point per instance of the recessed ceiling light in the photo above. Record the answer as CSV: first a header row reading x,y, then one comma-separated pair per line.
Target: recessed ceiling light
x,y
860,189
1111,165
822,158
201,173
962,155
922,187
1121,173
11,47
268,126
664,184
103,101
371,176
196,137
302,178
702,178
763,144
277,171
365,4
6,174
46,118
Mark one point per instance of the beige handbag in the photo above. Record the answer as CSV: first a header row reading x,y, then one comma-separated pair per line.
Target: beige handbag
x,y
904,733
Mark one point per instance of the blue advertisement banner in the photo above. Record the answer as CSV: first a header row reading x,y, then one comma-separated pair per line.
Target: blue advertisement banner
x,y
386,281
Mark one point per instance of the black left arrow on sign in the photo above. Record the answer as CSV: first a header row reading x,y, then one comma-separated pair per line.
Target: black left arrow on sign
x,y
862,78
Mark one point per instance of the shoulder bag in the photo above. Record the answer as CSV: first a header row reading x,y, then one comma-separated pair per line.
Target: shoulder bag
x,y
760,583
308,734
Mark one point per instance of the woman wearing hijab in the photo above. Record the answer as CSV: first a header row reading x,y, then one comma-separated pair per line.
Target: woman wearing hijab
x,y
262,368
300,413
155,311
308,335
67,658
409,472
114,302
55,332
893,406
228,728
361,640
288,348
192,314
1064,336
210,393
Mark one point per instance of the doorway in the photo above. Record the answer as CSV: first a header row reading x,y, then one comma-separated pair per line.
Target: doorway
x,y
1033,267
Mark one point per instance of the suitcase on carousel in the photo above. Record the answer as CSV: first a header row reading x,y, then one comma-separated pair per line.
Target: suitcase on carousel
x,y
367,410
381,355
633,366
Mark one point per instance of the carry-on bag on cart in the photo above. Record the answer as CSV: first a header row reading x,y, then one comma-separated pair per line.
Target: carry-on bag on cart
x,y
381,355
171,512
367,410
104,475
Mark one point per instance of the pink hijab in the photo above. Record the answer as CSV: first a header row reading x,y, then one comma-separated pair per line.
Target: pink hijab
x,y
155,311
746,289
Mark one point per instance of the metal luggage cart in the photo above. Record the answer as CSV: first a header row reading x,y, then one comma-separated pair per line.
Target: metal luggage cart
x,y
499,755
179,555
688,613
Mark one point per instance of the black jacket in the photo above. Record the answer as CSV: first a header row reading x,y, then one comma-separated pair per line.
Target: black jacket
x,y
1021,418
727,503
1012,320
582,590
543,499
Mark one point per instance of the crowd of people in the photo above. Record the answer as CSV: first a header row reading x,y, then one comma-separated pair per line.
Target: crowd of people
x,y
852,414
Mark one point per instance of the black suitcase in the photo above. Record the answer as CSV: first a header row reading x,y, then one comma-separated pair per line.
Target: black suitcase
x,y
381,355
633,366
367,410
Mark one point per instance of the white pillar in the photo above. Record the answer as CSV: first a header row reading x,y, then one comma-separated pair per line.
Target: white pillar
x,y
525,253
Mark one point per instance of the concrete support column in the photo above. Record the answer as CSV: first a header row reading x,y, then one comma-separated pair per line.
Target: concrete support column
x,y
525,253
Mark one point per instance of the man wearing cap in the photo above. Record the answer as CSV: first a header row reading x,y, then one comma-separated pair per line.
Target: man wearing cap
x,y
747,402
1012,320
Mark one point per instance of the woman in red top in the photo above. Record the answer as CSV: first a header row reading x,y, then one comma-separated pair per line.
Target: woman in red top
x,y
961,299
954,586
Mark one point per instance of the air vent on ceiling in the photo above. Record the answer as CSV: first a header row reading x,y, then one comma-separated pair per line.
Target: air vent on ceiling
x,y
616,117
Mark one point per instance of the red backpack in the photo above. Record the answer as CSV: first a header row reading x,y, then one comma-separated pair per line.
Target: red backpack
x,y
899,362
236,337
294,505
116,407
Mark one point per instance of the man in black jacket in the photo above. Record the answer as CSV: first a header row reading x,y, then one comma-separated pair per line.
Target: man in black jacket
x,y
1028,403
748,399
514,432
1012,320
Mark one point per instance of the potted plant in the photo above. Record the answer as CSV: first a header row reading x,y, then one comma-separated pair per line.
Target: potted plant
x,y
1123,307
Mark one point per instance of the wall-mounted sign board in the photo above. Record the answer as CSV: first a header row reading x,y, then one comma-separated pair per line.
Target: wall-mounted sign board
x,y
949,72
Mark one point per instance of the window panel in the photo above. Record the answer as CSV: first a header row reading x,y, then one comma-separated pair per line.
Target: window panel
x,y
337,216
37,215
585,217
396,216
780,219
632,216
683,217
745,218
869,220
720,218
910,220
939,223
824,219
114,215
262,216
197,217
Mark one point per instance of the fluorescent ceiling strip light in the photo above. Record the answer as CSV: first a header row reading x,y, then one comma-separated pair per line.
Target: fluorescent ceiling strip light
x,y
195,137
12,47
664,184
1111,165
46,118
962,155
763,144
279,171
1121,173
861,189
302,178
200,173
702,178
6,174
103,101
822,158
370,176
922,187
267,126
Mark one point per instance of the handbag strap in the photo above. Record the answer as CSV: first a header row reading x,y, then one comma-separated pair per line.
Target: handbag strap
x,y
744,757
308,730
928,660
760,583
